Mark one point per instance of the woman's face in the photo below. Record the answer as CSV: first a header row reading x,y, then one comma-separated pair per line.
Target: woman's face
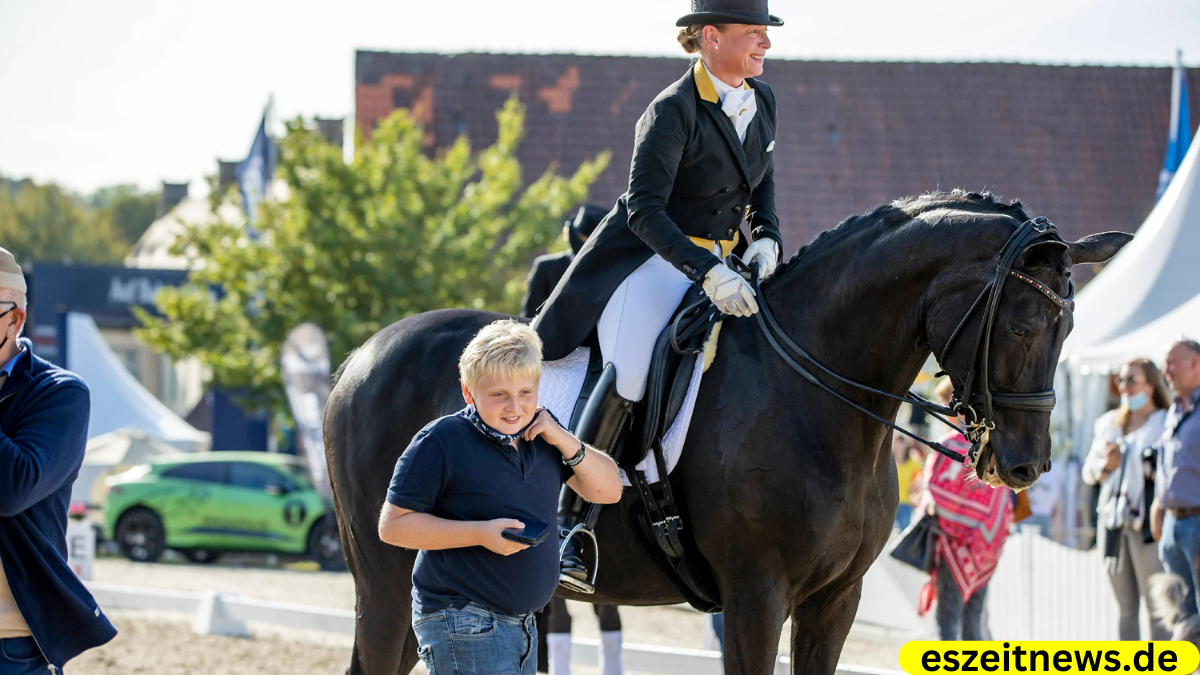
x,y
1132,381
737,50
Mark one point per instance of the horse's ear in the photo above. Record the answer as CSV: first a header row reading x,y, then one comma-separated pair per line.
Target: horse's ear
x,y
1096,248
1043,254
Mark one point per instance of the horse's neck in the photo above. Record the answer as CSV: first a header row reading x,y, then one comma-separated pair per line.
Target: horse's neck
x,y
858,311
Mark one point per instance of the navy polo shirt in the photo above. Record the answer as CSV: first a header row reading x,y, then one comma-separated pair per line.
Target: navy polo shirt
x,y
451,470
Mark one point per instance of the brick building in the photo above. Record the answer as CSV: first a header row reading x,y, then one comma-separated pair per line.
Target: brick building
x,y
1082,145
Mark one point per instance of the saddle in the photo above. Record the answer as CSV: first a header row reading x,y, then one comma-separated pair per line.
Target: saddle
x,y
671,366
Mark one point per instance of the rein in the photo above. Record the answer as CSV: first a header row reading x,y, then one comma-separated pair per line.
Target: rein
x,y
978,426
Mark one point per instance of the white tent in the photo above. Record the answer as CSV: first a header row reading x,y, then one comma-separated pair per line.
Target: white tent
x,y
1153,274
112,453
118,400
1151,340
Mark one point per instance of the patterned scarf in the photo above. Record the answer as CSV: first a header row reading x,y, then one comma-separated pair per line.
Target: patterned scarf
x,y
498,437
973,519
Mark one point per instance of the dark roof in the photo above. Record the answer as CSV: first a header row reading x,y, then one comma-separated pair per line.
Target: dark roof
x,y
1082,145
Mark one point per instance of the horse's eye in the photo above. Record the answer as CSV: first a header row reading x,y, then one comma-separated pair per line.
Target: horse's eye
x,y
1018,331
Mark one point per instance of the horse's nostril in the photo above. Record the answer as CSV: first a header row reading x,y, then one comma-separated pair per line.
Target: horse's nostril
x,y
1024,474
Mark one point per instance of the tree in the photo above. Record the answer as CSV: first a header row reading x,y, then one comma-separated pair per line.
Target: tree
x,y
42,222
128,210
355,247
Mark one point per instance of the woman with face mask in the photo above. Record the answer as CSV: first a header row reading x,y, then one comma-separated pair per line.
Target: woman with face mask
x,y
1115,462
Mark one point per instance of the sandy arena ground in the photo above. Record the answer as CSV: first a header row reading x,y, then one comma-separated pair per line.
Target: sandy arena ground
x,y
164,644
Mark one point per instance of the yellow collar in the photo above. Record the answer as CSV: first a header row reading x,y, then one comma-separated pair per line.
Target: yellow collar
x,y
704,84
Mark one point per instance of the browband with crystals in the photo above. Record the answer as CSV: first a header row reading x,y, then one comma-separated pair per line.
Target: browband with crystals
x,y
1065,303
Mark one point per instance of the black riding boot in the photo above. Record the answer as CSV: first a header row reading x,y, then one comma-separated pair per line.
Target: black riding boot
x,y
602,424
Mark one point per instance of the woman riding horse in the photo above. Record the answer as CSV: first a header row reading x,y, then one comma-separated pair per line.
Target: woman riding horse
x,y
703,164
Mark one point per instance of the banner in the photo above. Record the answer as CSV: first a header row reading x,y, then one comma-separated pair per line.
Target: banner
x,y
306,379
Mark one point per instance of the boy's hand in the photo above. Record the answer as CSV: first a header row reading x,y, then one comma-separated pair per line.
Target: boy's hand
x,y
492,539
548,428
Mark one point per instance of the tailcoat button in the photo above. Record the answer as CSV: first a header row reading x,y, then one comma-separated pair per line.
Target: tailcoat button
x,y
708,235
729,232
717,212
724,190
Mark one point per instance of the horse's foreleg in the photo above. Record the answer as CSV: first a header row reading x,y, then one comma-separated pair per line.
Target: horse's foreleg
x,y
819,629
754,619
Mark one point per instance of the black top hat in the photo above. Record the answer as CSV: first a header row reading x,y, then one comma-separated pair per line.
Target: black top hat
x,y
586,220
753,12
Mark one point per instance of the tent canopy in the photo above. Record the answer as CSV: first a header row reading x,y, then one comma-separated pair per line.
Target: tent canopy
x,y
118,400
1153,274
112,453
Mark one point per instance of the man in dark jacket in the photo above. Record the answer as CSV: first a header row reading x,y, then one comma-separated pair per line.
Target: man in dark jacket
x,y
47,617
549,268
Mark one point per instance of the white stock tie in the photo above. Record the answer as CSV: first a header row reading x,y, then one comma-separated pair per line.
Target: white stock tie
x,y
740,105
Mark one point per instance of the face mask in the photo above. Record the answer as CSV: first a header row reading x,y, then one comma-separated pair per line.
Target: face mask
x,y
1135,402
2,315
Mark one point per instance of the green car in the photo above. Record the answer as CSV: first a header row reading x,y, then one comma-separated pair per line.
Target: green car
x,y
208,503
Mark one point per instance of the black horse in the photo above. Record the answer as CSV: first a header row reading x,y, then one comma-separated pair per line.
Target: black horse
x,y
788,493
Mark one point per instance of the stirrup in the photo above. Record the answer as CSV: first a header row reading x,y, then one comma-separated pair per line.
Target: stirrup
x,y
571,583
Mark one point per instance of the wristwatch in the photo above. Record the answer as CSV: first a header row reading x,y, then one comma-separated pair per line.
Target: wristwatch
x,y
578,456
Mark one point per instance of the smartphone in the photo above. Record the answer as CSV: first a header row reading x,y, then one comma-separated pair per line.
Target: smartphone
x,y
533,534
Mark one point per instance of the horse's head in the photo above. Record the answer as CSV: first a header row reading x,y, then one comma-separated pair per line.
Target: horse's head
x,y
997,322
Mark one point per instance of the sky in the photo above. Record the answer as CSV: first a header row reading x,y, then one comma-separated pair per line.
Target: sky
x,y
140,91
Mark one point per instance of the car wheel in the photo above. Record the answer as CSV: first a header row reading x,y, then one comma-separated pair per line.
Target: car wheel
x,y
140,535
201,555
325,546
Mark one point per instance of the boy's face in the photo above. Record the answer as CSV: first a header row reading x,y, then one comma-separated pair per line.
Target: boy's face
x,y
505,404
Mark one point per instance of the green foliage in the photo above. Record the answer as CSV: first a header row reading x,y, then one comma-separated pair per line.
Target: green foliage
x,y
128,210
42,222
355,247
45,222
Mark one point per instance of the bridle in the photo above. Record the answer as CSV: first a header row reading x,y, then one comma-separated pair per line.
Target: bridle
x,y
976,402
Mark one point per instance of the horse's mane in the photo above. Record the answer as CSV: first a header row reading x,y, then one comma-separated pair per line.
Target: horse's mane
x,y
885,217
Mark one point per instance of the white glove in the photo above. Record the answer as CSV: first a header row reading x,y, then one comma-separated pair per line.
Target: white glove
x,y
729,291
766,252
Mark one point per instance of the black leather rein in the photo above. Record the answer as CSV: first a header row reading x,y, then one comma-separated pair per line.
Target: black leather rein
x,y
976,390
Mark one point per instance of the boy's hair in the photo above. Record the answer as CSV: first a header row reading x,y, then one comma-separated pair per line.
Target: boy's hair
x,y
504,348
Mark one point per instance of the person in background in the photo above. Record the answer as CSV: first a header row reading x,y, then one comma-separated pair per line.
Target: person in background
x,y
554,652
1115,462
1175,515
47,616
973,520
549,269
908,468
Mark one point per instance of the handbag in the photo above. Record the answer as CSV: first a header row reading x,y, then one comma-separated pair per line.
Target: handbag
x,y
916,545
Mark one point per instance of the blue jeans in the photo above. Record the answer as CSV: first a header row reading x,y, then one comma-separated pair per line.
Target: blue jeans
x,y
475,640
21,656
904,514
1178,550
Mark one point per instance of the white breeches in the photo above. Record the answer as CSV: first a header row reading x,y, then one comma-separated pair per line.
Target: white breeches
x,y
634,317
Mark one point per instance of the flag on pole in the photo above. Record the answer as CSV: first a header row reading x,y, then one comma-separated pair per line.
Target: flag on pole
x,y
254,173
1179,135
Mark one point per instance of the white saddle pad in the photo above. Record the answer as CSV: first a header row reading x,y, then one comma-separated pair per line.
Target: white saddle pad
x,y
559,389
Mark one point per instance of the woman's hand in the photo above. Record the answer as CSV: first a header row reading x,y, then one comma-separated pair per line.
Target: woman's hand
x,y
492,540
764,252
1112,458
729,291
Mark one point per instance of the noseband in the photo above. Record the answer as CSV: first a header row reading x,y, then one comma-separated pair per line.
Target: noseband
x,y
976,402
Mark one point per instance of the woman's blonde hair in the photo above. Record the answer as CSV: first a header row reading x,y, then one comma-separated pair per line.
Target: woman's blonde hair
x,y
944,391
502,349
692,36
1160,396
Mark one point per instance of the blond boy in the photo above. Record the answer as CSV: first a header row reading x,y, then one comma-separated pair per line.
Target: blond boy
x,y
465,479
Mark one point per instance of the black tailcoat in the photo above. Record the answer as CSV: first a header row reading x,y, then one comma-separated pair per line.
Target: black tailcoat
x,y
547,270
690,177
